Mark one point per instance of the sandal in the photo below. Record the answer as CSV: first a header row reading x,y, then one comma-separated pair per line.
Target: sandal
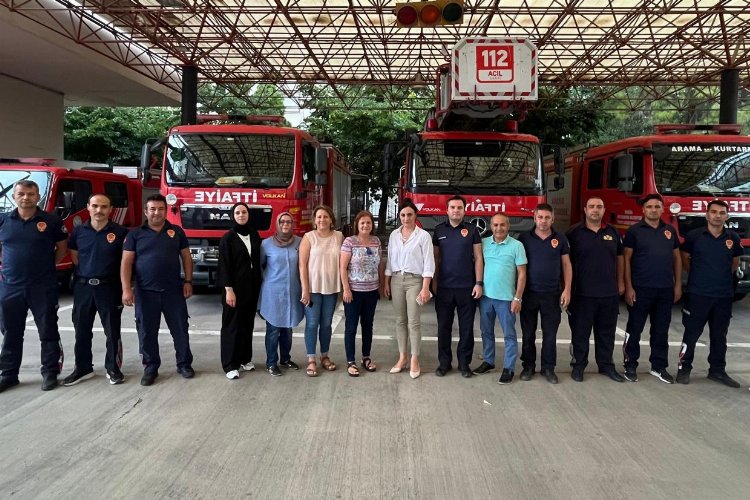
x,y
351,369
368,365
327,364
312,368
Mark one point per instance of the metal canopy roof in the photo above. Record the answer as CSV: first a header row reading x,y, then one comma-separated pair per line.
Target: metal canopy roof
x,y
656,44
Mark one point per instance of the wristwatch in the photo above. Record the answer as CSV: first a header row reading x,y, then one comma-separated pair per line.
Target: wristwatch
x,y
517,299
480,283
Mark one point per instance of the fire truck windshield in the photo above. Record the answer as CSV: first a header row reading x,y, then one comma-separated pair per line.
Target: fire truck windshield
x,y
244,160
9,177
491,167
702,169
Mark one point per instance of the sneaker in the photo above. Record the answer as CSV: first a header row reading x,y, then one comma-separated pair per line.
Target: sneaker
x,y
148,379
663,375
683,376
724,379
49,381
274,371
483,368
7,383
77,376
289,364
631,375
506,377
233,374
248,367
527,373
549,374
115,377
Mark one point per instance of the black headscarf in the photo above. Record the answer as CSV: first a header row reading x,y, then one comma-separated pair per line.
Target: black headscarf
x,y
243,229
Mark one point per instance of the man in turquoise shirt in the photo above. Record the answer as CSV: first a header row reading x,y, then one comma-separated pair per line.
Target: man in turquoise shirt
x,y
504,281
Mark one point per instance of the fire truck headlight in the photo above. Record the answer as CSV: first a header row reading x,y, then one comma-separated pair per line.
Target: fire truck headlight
x,y
675,208
171,199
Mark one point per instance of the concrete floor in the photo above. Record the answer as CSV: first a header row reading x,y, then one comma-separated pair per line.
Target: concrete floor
x,y
378,436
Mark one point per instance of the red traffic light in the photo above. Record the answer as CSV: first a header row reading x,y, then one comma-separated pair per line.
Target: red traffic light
x,y
406,15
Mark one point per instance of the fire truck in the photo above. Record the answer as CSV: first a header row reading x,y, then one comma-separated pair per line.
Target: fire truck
x,y
65,188
688,165
208,167
458,153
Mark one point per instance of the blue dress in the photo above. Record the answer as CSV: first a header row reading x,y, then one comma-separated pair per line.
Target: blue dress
x,y
281,289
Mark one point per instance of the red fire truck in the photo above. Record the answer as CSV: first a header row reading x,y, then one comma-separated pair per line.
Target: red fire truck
x,y
688,165
210,166
458,153
65,188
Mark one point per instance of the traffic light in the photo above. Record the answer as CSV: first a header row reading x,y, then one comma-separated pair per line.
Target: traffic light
x,y
428,14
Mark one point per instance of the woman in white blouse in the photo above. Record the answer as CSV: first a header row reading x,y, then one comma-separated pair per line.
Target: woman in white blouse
x,y
408,272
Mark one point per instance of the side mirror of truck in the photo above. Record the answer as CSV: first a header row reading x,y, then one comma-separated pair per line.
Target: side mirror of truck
x,y
559,182
623,165
321,178
147,159
321,160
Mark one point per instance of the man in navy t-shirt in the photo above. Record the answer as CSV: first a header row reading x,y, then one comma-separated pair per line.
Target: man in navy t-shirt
x,y
710,255
653,283
548,287
155,250
33,241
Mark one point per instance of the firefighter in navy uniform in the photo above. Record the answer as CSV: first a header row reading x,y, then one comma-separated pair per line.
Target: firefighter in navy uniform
x,y
33,241
155,250
710,255
96,250
596,255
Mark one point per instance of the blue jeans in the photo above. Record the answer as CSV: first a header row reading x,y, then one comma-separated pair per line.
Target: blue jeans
x,y
489,309
318,318
277,339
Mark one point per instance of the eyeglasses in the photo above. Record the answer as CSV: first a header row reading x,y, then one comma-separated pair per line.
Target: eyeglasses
x,y
285,222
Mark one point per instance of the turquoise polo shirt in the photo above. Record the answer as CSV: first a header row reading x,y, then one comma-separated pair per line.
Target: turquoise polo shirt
x,y
500,261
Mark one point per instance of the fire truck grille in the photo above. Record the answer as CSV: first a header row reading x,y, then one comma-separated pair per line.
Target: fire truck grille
x,y
217,218
740,225
517,224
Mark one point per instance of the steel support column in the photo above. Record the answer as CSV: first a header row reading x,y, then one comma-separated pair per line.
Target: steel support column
x,y
729,98
189,95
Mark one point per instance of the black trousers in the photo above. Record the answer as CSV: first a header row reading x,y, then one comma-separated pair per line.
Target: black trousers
x,y
149,307
546,305
106,299
696,312
655,304
599,314
448,301
15,302
237,325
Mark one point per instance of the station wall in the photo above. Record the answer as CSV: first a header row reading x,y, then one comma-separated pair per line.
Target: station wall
x,y
31,120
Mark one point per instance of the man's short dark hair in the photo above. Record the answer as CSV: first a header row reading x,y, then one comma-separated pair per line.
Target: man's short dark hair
x,y
100,194
720,203
546,207
454,198
155,197
27,184
649,197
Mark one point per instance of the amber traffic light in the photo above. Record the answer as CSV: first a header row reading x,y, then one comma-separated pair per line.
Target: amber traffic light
x,y
427,14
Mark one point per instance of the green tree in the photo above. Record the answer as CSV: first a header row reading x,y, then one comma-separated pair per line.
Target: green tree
x,y
263,99
113,135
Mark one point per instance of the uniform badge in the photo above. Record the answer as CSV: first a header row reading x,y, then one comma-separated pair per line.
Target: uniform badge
x,y
464,232
170,233
607,237
554,242
730,244
41,226
668,234
111,237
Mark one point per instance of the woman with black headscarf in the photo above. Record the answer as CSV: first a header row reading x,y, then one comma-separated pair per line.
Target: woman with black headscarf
x,y
239,278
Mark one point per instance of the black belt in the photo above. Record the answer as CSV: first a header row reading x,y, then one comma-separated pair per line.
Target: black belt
x,y
96,281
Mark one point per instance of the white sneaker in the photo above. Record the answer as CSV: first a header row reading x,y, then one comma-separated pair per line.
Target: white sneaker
x,y
233,374
247,367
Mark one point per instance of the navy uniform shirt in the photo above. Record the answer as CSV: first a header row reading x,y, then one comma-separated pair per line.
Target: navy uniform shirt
x,y
594,259
544,270
99,252
711,262
157,255
28,248
652,263
456,246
